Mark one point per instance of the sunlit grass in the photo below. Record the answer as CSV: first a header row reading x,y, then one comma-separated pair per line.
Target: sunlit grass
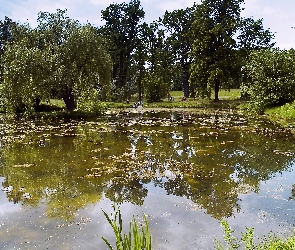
x,y
284,115
232,94
57,103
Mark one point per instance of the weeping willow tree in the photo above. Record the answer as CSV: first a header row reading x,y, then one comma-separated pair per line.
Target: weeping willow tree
x,y
60,58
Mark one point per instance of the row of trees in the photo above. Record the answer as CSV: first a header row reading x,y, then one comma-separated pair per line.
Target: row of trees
x,y
197,49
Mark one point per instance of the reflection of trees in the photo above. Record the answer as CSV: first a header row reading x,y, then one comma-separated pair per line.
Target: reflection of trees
x,y
210,165
292,193
46,174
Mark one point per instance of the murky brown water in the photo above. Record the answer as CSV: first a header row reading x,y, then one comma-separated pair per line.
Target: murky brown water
x,y
185,171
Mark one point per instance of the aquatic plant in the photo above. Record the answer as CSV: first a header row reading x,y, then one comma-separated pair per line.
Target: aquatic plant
x,y
136,238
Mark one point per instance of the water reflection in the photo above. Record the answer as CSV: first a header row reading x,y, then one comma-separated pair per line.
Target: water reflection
x,y
207,159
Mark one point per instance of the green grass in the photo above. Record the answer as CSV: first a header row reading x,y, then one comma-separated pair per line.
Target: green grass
x,y
247,242
233,94
228,100
56,109
138,238
284,115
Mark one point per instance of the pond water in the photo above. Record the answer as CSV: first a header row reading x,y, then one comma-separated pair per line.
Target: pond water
x,y
185,171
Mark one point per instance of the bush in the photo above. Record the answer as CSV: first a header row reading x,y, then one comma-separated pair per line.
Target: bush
x,y
270,78
88,103
154,88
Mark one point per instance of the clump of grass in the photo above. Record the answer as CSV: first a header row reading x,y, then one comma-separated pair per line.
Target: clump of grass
x,y
138,238
271,242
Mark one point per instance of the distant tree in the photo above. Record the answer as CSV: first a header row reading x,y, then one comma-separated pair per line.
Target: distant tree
x,y
139,59
215,24
251,36
121,31
79,61
159,64
178,26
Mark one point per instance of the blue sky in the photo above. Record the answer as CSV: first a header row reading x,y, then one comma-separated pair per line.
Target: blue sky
x,y
279,16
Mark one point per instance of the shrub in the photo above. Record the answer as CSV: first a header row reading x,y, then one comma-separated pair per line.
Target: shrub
x,y
270,77
154,88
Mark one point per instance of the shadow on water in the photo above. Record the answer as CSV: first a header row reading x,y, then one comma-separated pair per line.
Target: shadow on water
x,y
211,160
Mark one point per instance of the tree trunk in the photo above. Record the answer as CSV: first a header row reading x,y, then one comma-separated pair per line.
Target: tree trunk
x,y
140,85
69,100
216,90
37,104
185,78
185,86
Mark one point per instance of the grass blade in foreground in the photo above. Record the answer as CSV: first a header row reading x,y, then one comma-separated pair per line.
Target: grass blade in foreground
x,y
138,238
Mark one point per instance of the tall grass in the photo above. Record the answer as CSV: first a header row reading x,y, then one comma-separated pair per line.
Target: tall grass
x,y
138,237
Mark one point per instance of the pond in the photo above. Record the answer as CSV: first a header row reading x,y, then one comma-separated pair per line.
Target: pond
x,y
186,171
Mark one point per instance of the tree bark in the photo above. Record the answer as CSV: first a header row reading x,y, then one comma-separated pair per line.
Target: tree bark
x,y
69,100
185,76
216,90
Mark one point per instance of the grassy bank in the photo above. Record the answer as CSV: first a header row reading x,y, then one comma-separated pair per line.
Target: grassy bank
x,y
283,115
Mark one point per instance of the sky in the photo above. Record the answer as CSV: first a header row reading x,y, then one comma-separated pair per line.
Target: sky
x,y
278,16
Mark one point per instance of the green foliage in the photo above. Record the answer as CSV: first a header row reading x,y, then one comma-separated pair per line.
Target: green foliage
x,y
6,37
272,242
135,239
25,71
88,102
253,36
155,88
231,241
270,77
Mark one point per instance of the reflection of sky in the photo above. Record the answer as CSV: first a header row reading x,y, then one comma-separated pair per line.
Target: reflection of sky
x,y
270,209
6,207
